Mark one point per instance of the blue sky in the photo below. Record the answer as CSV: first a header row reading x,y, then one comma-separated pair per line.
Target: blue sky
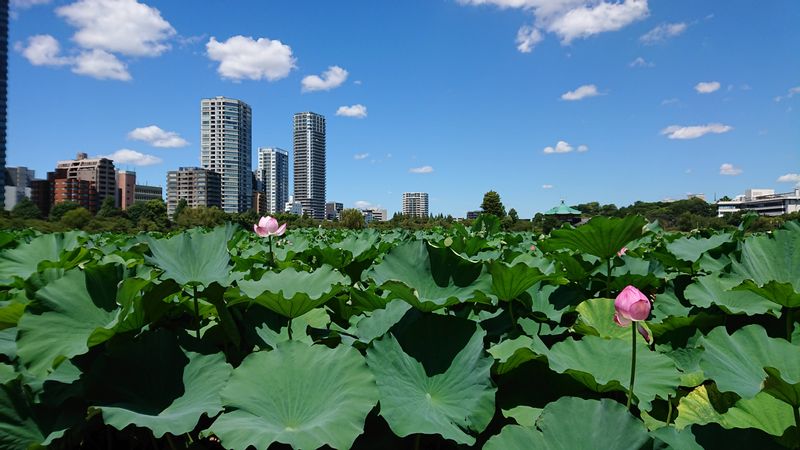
x,y
585,100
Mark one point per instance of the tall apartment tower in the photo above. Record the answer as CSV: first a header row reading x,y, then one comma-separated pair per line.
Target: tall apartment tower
x,y
273,177
3,93
415,204
225,148
309,163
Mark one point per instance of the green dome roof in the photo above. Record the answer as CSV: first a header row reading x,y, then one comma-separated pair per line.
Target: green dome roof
x,y
562,210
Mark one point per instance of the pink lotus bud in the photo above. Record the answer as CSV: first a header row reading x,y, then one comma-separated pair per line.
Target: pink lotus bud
x,y
622,251
533,248
631,306
268,226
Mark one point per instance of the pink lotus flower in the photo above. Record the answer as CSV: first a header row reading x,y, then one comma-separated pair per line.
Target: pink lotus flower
x,y
268,226
622,251
631,306
533,248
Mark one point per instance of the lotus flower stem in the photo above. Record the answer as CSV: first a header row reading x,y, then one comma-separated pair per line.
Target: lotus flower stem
x,y
196,312
633,366
271,253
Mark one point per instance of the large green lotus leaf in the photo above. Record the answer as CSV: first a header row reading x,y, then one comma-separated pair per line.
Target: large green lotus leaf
x,y
691,249
452,404
193,257
512,353
713,290
68,316
601,236
574,423
768,259
763,412
406,272
303,396
19,427
8,343
604,365
292,293
23,261
596,317
523,415
380,321
509,282
156,385
675,439
736,362
10,313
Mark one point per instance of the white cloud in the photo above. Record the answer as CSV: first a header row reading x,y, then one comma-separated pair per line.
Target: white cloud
x,y
663,32
101,65
243,57
790,178
127,156
423,169
547,186
585,91
729,169
570,19
561,147
527,38
119,26
790,94
695,131
363,204
330,79
42,50
157,137
583,148
669,101
707,87
358,111
361,156
641,62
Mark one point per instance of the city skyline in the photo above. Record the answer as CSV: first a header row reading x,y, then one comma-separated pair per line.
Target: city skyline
x,y
676,97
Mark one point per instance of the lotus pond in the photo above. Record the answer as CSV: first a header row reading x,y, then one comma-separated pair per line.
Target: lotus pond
x,y
468,338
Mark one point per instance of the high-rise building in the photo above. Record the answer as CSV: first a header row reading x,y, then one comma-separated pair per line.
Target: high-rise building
x,y
199,187
83,180
225,148
273,178
309,163
415,204
3,94
333,210
18,185
126,188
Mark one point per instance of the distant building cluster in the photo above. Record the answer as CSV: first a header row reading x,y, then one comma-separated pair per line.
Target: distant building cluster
x,y
765,202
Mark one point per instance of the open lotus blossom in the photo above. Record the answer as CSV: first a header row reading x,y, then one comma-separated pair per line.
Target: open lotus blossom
x,y
622,251
268,226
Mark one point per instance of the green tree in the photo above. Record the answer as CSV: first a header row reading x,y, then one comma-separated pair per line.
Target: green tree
x,y
512,214
76,218
108,208
202,217
352,218
26,209
182,204
59,209
149,215
492,204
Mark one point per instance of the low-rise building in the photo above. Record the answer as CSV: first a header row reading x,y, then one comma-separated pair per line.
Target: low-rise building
x,y
375,214
472,215
764,202
195,185
293,207
333,210
144,193
18,185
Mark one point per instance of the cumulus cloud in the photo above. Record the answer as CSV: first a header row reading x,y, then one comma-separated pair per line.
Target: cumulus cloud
x,y
118,26
560,147
570,19
363,204
527,38
332,78
694,131
127,156
360,156
585,91
791,93
358,111
101,65
641,62
422,169
547,186
157,137
663,32
583,148
242,57
790,178
42,50
729,169
707,87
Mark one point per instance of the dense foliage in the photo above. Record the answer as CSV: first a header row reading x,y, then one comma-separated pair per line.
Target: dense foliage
x,y
458,338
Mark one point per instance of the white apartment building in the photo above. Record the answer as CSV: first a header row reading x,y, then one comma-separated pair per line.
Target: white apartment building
x,y
309,163
273,177
765,202
225,148
415,204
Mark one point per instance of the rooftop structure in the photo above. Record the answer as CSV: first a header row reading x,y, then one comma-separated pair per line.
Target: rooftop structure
x,y
764,202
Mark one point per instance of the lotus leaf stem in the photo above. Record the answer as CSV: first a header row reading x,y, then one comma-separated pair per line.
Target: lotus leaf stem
x,y
797,422
669,410
511,313
289,329
788,312
608,277
633,365
196,312
416,441
170,442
